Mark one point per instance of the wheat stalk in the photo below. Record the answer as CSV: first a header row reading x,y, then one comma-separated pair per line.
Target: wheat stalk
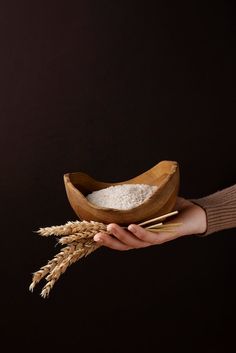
x,y
78,236
88,234
55,274
83,246
44,270
70,228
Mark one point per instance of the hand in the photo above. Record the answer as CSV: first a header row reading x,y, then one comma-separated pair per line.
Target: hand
x,y
192,217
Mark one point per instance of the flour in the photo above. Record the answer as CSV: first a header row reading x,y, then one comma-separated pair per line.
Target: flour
x,y
122,197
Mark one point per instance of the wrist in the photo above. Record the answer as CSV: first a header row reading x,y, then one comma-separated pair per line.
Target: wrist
x,y
201,217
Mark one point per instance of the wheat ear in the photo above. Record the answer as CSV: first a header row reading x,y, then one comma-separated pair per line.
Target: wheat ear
x,y
55,274
87,234
44,270
69,228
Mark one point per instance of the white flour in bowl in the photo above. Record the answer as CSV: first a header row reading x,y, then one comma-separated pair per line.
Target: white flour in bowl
x,y
122,197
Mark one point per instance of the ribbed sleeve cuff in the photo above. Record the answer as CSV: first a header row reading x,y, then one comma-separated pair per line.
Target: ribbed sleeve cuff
x,y
220,209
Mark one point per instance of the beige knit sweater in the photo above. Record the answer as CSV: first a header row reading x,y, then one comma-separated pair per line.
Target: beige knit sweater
x,y
220,209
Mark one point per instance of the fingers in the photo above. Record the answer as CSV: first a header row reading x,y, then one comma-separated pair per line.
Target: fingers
x,y
163,237
152,238
120,238
143,234
125,236
110,242
136,237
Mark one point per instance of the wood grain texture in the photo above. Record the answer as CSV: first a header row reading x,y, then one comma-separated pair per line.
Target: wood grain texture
x,y
165,175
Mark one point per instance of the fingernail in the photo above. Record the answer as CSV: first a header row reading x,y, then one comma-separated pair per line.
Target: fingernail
x,y
109,227
97,237
132,228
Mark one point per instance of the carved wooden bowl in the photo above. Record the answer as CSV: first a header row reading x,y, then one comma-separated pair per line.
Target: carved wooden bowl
x,y
165,175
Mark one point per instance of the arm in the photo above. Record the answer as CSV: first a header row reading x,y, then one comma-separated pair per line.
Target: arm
x,y
220,209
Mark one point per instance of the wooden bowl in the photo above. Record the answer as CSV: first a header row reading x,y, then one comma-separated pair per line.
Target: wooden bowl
x,y
164,174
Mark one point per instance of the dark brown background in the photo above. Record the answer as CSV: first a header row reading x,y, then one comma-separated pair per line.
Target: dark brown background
x,y
112,88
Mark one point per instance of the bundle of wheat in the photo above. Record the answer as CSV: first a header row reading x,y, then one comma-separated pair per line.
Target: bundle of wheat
x,y
78,238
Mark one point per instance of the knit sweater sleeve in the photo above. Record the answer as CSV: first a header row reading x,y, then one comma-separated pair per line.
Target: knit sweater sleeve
x,y
220,209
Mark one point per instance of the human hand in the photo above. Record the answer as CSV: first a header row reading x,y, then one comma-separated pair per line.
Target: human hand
x,y
191,216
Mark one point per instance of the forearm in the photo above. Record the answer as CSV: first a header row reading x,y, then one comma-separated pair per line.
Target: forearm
x,y
220,209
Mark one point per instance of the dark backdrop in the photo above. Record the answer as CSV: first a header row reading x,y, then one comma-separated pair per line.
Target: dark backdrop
x,y
111,88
